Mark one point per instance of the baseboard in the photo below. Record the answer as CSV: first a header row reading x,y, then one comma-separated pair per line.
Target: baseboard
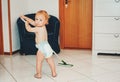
x,y
112,54
8,53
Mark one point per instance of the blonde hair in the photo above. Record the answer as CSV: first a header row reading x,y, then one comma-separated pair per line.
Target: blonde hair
x,y
44,13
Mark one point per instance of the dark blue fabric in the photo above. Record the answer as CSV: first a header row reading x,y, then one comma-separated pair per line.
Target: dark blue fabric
x,y
27,39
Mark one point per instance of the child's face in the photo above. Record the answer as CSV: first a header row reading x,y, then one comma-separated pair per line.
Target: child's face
x,y
40,20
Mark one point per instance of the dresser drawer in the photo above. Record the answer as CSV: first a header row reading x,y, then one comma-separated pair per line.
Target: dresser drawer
x,y
107,7
107,42
107,24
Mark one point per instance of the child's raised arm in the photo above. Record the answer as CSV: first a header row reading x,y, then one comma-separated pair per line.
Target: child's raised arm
x,y
29,28
29,20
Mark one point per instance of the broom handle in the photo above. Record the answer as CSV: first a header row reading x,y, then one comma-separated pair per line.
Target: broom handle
x,y
57,56
23,20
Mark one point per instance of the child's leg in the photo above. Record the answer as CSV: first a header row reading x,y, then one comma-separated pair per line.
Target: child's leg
x,y
39,60
52,66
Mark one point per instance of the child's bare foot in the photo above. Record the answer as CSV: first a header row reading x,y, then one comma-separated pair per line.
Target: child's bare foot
x,y
54,74
37,75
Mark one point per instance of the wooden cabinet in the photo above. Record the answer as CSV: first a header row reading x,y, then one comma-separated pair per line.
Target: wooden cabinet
x,y
107,7
106,27
109,42
107,24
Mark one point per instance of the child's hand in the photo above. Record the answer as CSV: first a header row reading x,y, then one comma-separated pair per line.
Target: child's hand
x,y
26,23
23,18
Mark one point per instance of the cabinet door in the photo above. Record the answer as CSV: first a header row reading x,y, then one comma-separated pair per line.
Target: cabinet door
x,y
107,24
107,42
107,7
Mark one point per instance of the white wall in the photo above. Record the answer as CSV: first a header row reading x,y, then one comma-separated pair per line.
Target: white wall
x,y
51,6
16,8
5,25
19,7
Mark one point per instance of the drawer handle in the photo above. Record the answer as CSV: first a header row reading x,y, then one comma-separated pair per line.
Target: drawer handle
x,y
116,18
116,35
117,1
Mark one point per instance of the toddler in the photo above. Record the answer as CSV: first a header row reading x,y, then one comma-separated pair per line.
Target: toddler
x,y
44,49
